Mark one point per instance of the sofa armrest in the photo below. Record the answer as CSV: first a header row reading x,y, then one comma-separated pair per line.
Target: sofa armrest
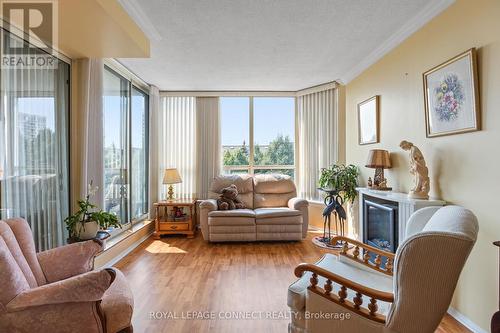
x,y
209,204
87,287
297,203
206,206
303,206
69,260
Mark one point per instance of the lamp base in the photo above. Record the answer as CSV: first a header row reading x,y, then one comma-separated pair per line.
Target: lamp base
x,y
379,181
170,193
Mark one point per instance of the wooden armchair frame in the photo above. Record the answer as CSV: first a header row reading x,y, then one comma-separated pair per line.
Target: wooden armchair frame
x,y
355,305
365,258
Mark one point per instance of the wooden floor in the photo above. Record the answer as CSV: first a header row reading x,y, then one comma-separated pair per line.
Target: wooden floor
x,y
175,277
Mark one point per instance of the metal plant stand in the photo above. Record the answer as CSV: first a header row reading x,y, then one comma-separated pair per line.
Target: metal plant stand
x,y
333,202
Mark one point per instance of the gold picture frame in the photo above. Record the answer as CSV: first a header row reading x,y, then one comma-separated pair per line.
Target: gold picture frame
x,y
451,96
368,121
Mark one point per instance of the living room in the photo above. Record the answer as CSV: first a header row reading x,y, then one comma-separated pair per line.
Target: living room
x,y
253,166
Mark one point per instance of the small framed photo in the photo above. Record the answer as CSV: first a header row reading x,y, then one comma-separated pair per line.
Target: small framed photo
x,y
451,96
368,123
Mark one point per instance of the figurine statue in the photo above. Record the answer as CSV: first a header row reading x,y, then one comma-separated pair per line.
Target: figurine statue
x,y
370,182
419,170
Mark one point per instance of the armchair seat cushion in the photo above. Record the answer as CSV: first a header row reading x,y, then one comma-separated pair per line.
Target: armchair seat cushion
x,y
261,213
297,291
118,304
232,213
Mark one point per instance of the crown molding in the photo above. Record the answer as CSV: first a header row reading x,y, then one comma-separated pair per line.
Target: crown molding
x,y
317,88
141,19
425,15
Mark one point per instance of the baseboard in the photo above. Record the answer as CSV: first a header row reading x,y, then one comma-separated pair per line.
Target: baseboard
x,y
465,321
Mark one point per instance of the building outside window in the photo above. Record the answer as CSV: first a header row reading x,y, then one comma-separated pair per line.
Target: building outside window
x,y
126,113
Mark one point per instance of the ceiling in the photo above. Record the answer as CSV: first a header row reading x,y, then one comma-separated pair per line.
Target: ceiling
x,y
269,45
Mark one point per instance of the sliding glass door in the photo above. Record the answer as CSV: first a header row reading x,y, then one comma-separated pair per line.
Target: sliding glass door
x,y
139,154
34,166
125,148
115,110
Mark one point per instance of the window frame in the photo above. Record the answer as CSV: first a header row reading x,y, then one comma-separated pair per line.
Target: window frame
x,y
133,83
146,148
251,167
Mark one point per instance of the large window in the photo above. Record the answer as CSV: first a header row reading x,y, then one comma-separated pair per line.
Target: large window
x,y
125,109
258,134
34,180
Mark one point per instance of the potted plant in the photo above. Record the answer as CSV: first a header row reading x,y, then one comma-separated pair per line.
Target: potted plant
x,y
86,222
342,179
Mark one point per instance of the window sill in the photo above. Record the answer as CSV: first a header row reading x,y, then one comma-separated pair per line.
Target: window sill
x,y
116,239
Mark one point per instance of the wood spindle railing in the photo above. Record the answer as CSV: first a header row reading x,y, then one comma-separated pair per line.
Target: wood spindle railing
x,y
355,304
368,251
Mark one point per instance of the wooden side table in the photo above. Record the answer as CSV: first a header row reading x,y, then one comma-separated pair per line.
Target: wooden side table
x,y
169,223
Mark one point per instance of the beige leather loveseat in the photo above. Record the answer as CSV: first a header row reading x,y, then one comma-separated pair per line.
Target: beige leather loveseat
x,y
273,211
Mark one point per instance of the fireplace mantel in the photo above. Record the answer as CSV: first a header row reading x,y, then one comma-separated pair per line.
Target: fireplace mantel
x,y
406,207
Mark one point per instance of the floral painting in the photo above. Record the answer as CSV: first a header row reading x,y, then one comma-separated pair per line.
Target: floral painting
x,y
450,90
450,98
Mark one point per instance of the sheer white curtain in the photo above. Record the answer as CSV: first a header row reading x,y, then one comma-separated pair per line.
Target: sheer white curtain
x,y
87,134
177,143
34,109
154,170
317,114
208,144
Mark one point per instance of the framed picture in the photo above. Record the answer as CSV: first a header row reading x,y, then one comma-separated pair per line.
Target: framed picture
x,y
368,121
451,96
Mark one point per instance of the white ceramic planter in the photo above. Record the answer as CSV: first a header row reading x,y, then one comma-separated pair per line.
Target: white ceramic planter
x,y
87,232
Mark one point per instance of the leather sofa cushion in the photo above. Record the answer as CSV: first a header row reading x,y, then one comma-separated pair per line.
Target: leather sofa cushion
x,y
275,212
280,220
273,190
232,213
262,200
230,221
238,237
244,184
273,184
232,229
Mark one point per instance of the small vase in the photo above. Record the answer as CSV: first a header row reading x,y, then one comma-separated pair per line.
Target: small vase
x,y
87,231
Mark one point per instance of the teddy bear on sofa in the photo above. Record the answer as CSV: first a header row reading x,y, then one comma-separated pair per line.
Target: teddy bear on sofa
x,y
229,200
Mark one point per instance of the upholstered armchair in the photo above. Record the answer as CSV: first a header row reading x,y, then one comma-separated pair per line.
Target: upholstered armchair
x,y
57,290
365,289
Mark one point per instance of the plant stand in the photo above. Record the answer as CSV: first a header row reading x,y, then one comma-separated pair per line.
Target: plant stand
x,y
100,237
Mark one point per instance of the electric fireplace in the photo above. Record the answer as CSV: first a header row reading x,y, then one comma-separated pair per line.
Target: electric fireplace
x,y
380,223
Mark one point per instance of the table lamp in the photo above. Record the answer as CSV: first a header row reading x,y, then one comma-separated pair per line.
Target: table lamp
x,y
171,176
379,160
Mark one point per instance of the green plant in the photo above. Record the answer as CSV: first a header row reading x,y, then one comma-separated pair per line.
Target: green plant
x,y
85,215
343,178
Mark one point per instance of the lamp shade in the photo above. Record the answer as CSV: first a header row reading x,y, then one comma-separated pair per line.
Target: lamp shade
x,y
378,158
171,176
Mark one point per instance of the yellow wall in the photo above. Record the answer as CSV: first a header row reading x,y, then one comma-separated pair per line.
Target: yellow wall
x,y
462,167
99,29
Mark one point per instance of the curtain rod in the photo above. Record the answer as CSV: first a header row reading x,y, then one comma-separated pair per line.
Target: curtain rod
x,y
209,93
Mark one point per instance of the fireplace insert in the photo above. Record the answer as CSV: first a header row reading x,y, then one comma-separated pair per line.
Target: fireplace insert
x,y
380,223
